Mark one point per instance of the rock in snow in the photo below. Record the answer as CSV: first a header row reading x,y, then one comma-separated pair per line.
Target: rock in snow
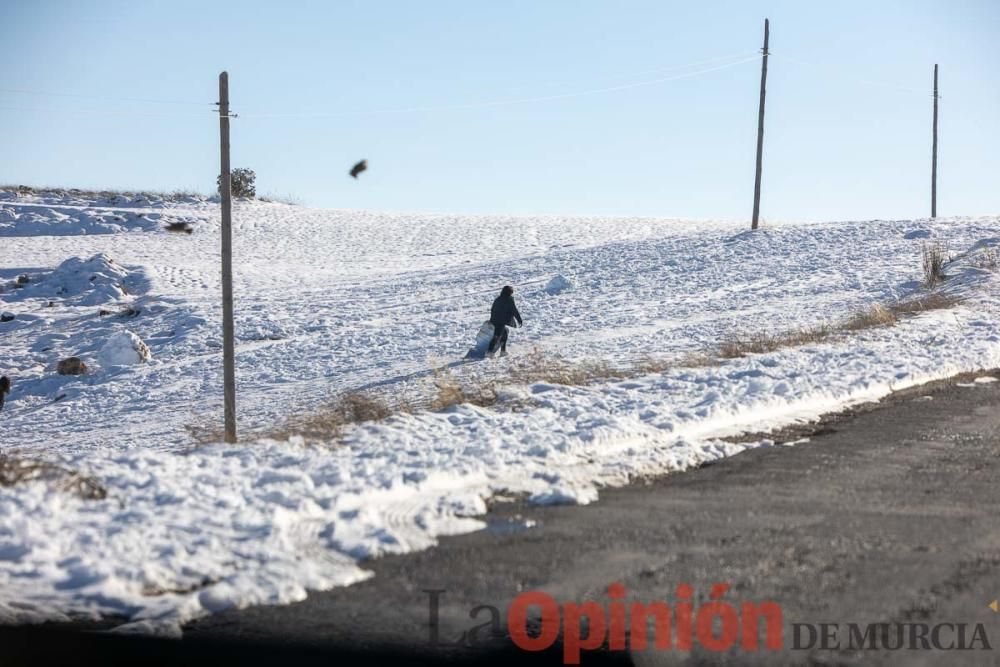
x,y
124,349
72,366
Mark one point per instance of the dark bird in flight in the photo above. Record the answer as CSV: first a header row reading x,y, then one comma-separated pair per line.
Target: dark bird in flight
x,y
358,168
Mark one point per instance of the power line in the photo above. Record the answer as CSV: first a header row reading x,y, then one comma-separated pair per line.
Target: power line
x,y
742,58
101,112
505,102
141,100
99,97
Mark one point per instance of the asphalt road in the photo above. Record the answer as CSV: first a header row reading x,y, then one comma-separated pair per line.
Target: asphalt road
x,y
888,514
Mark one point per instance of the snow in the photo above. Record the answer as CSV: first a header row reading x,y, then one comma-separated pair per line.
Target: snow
x,y
330,301
123,349
558,284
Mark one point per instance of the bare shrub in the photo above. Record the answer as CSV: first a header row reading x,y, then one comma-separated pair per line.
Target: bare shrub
x,y
933,262
16,470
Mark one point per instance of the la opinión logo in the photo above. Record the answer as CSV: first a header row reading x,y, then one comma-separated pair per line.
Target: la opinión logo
x,y
716,625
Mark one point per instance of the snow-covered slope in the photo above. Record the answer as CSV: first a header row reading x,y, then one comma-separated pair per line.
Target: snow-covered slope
x,y
333,301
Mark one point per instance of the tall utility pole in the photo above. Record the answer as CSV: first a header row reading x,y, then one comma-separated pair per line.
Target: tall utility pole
x,y
934,149
225,192
760,131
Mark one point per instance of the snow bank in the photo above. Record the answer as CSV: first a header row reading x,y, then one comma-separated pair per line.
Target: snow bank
x,y
49,222
54,218
84,282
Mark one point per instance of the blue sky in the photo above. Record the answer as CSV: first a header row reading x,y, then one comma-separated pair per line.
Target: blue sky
x,y
847,130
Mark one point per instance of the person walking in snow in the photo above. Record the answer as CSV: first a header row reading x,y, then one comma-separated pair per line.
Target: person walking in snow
x,y
503,314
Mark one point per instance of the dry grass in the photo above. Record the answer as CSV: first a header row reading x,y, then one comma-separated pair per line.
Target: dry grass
x,y
204,433
15,470
934,258
931,301
540,366
648,363
448,391
328,421
741,345
876,315
321,424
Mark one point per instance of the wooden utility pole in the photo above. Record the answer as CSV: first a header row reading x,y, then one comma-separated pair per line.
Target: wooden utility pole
x,y
760,131
934,149
225,192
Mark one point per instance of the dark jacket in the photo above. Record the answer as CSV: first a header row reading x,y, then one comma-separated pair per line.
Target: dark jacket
x,y
504,312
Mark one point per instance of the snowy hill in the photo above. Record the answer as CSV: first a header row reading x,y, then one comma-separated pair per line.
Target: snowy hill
x,y
330,301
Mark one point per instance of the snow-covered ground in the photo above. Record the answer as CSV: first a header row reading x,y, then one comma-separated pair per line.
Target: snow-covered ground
x,y
331,301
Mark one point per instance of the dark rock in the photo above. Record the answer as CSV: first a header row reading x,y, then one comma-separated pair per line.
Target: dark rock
x,y
72,366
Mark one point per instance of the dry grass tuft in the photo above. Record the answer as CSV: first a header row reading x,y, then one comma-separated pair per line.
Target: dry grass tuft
x,y
327,421
15,470
323,423
931,301
358,407
876,315
756,343
539,366
649,363
933,262
448,391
